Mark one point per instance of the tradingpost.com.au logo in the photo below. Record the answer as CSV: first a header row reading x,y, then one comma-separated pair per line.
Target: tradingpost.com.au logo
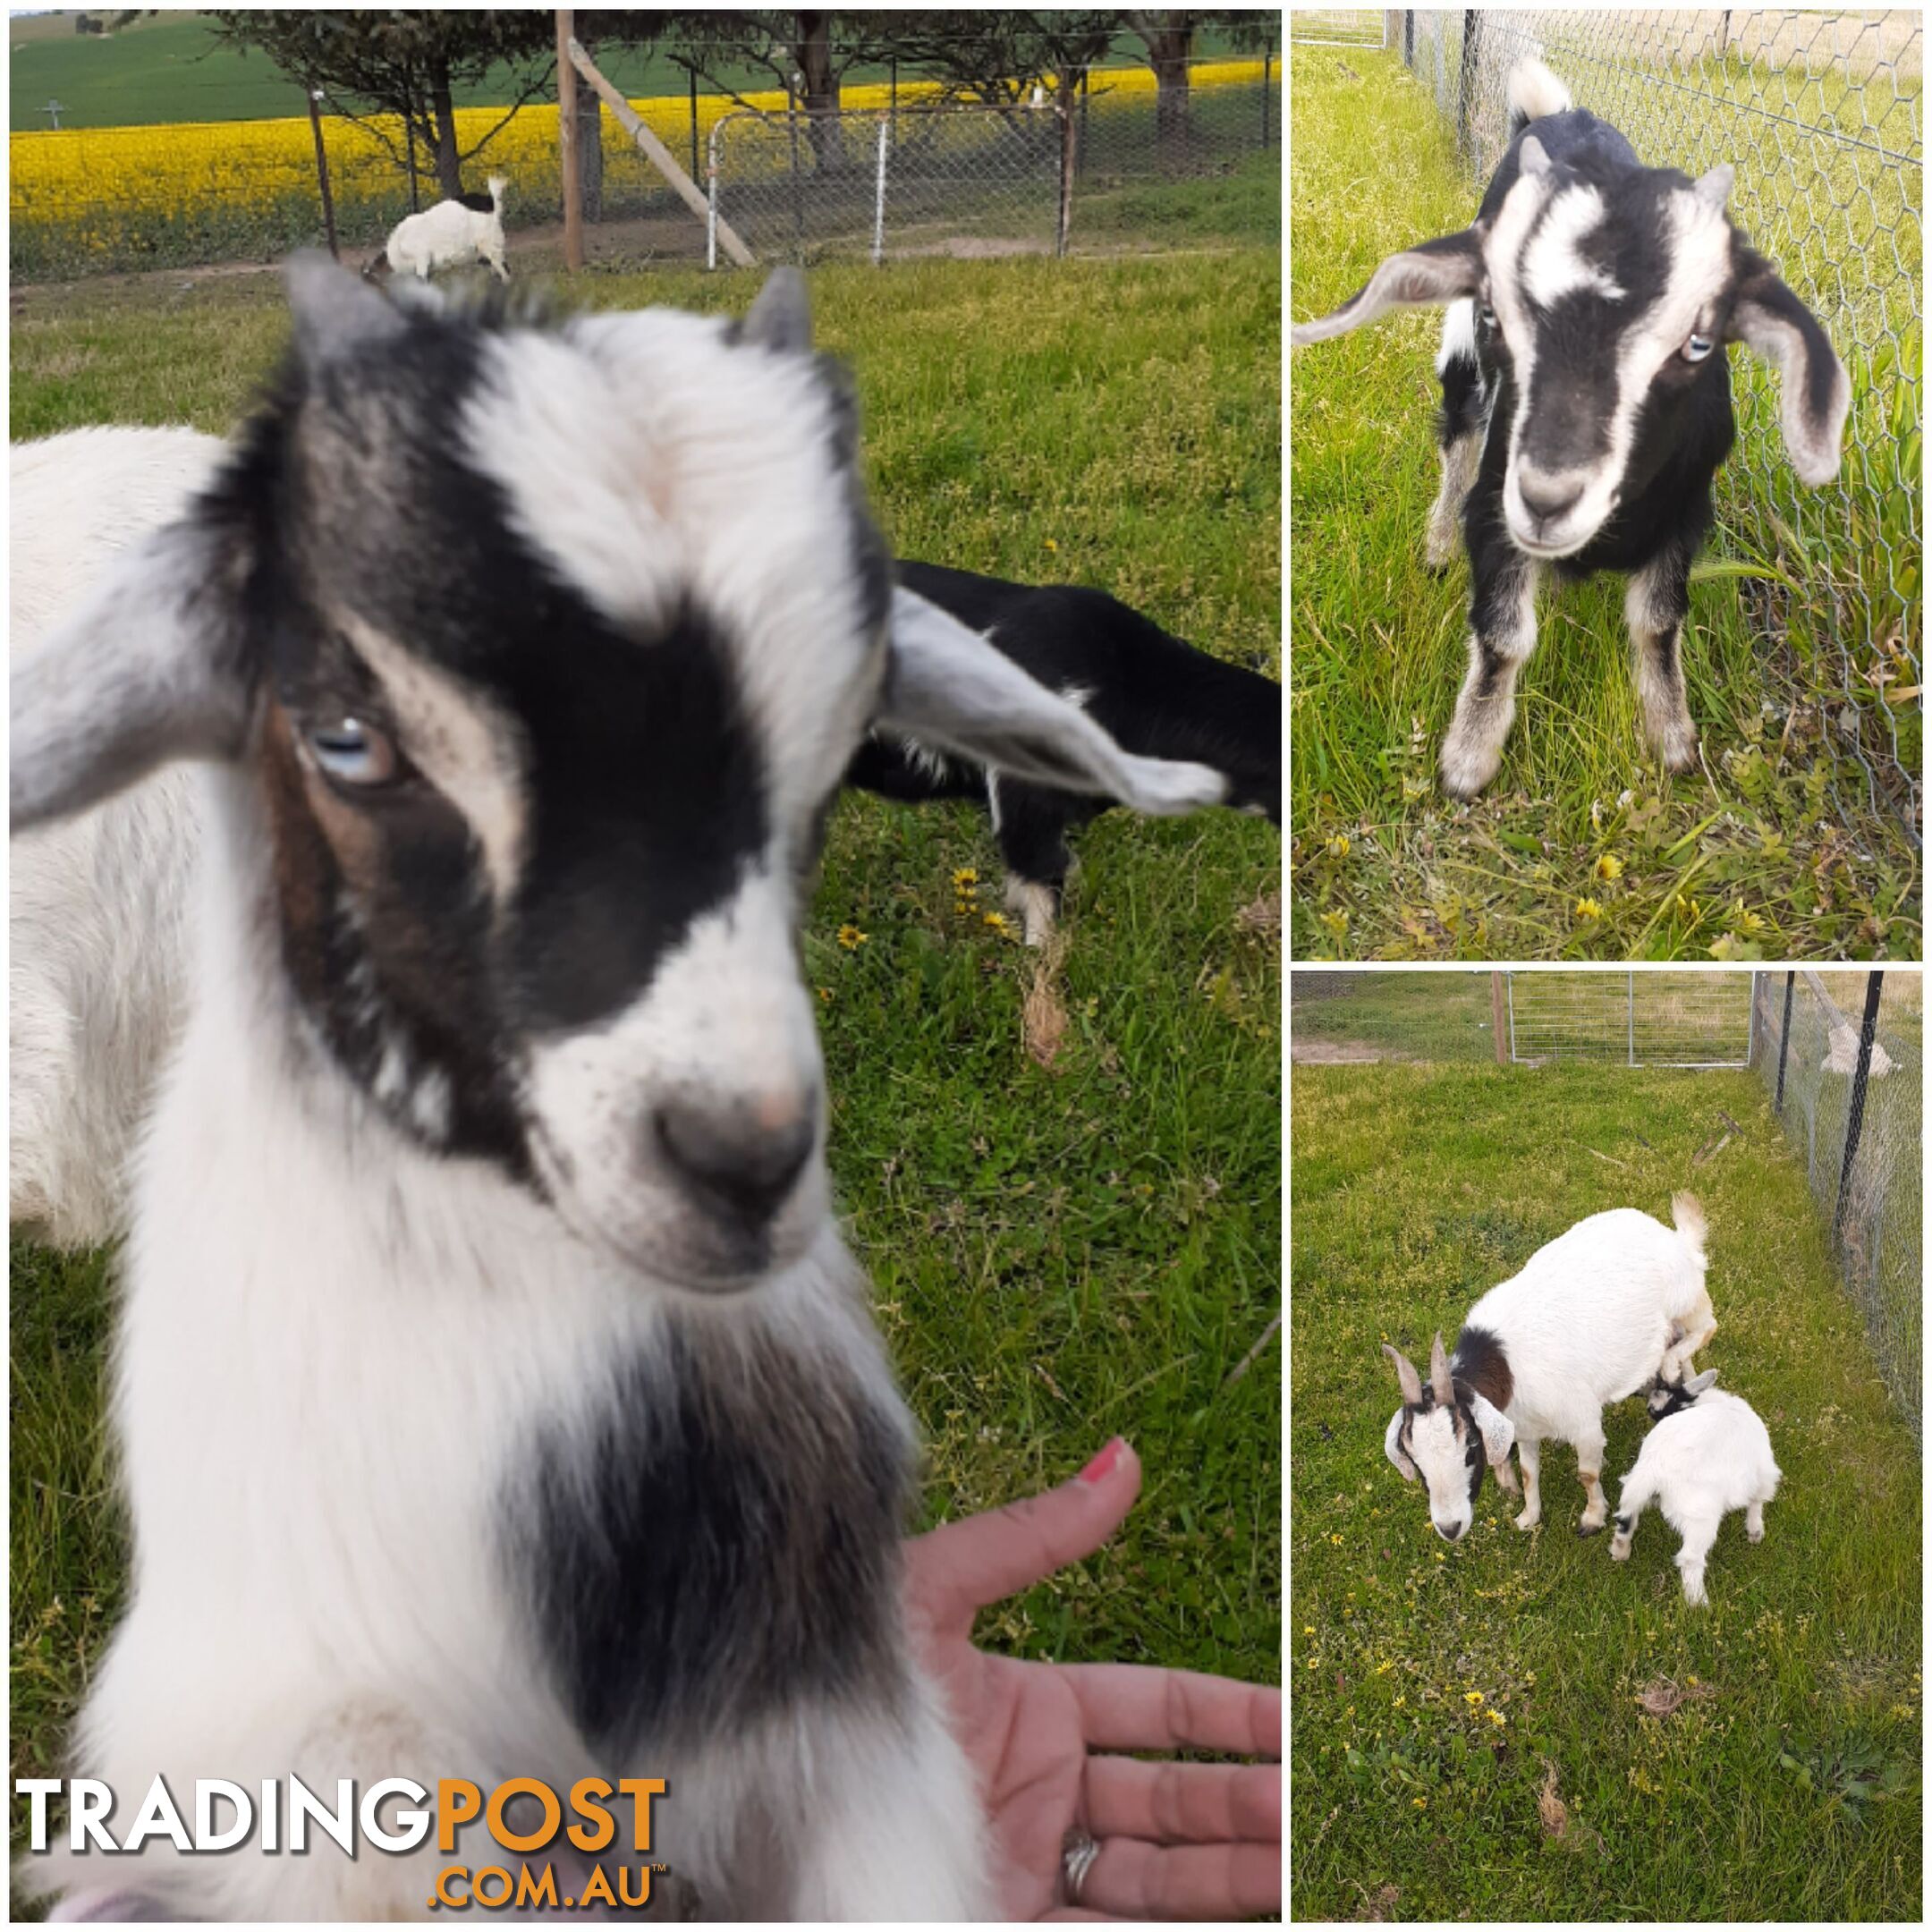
x,y
392,1815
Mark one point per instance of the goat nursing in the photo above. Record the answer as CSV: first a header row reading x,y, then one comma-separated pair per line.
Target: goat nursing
x,y
1587,396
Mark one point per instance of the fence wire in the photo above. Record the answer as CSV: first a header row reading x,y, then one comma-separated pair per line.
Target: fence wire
x,y
1338,27
1873,1202
1149,166
970,180
1819,113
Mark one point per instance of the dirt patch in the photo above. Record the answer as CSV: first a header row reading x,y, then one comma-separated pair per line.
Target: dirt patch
x,y
1337,1053
1044,1016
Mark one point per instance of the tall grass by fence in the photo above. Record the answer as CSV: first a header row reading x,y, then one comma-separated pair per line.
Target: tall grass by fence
x,y
92,200
1819,113
1852,1102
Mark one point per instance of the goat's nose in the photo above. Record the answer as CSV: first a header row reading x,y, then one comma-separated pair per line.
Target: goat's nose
x,y
1548,499
1450,1530
740,1161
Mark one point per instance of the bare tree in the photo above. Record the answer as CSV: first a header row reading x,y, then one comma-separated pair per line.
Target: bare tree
x,y
406,64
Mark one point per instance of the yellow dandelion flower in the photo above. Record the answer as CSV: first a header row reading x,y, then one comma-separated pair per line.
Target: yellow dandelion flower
x,y
966,876
1336,922
851,939
1609,867
1472,1697
1421,1804
1313,1663
999,923
1588,909
1495,1716
824,993
1052,546
1338,846
1334,1540
1400,1702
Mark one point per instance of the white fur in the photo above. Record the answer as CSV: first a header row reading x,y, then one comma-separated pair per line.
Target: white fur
x,y
1535,92
1594,1314
1697,1466
450,235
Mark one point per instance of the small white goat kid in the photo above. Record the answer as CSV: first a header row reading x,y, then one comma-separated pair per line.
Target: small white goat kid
x,y
1709,1453
494,1394
1617,1301
450,235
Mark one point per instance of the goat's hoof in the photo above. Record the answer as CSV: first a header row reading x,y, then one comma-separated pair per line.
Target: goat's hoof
x,y
1466,774
1587,1528
1527,1523
1754,1535
1619,1552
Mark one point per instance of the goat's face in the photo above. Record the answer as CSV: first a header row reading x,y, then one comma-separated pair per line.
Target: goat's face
x,y
1668,1398
1443,1434
1607,293
548,649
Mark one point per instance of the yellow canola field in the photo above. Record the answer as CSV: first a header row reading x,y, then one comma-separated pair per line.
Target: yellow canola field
x,y
170,193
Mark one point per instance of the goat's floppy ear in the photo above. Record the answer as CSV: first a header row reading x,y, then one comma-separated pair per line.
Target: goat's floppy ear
x,y
1427,276
950,689
1497,1431
149,668
1772,323
1392,1447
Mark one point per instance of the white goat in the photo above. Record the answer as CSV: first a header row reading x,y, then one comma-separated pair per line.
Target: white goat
x,y
450,235
1709,1453
494,1393
1616,1301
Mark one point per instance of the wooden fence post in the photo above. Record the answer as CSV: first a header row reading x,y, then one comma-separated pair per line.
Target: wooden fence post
x,y
567,145
321,166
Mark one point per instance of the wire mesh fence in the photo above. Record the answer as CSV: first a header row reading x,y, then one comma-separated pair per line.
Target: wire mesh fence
x,y
1651,1018
1860,1135
1339,26
960,178
1197,158
1819,113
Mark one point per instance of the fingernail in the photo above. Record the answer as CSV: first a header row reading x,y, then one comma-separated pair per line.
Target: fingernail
x,y
1102,1465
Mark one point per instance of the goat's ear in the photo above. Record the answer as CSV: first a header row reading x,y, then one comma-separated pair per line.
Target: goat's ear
x,y
1497,1431
1698,1383
780,315
1392,1447
149,667
948,687
1772,323
1427,276
336,313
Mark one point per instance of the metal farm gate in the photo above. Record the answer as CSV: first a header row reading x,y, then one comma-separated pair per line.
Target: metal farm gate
x,y
1632,1019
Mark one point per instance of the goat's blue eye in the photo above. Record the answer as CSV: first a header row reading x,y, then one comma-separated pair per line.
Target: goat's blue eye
x,y
1697,348
353,753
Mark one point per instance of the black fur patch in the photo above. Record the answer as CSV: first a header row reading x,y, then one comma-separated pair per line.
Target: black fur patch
x,y
721,1542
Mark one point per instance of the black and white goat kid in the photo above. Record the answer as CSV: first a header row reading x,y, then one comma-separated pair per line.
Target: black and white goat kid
x,y
1153,693
494,1394
1587,395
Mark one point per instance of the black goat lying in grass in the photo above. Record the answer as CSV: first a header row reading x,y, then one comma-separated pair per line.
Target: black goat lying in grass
x,y
1154,693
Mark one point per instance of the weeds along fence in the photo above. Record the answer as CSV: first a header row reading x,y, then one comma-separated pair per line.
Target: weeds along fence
x,y
1819,113
1841,1054
949,178
797,186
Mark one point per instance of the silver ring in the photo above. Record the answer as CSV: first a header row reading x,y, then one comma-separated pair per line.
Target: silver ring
x,y
1078,1851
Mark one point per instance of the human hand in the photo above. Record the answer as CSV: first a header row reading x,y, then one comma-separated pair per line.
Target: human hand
x,y
1177,1839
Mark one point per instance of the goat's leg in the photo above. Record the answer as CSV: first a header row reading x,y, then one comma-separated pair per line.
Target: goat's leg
x,y
1459,429
1502,635
1754,1521
1654,607
898,1830
1030,823
1699,1537
1589,1452
1531,1455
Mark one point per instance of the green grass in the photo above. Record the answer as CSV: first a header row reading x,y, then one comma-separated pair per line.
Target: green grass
x,y
1058,1255
1787,1785
1773,849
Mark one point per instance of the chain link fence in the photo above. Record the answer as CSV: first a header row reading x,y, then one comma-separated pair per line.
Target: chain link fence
x,y
1852,1106
1146,165
1819,113
966,179
1339,26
